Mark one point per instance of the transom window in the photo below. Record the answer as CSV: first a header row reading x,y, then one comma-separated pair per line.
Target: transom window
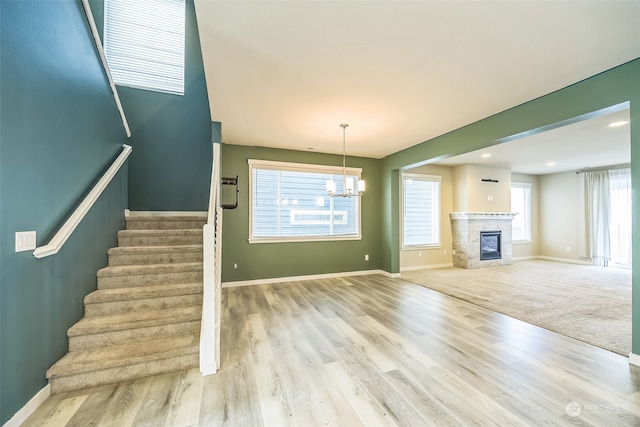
x,y
289,202
144,42
420,210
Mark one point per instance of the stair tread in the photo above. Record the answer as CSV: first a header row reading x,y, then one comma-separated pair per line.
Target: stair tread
x,y
166,217
95,359
134,320
182,231
143,292
126,250
136,269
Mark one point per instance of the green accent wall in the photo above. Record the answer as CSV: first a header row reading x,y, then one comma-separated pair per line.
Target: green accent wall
x,y
613,87
59,130
170,166
268,260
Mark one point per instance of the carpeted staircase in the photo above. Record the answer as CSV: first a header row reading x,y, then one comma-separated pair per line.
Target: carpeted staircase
x,y
144,319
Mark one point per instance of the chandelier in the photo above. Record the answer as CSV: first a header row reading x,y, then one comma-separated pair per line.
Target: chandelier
x,y
347,183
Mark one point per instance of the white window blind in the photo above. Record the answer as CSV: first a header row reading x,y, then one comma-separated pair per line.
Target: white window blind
x,y
144,42
289,202
420,210
521,204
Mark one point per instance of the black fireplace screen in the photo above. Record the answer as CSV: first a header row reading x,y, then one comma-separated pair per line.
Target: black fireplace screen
x,y
490,245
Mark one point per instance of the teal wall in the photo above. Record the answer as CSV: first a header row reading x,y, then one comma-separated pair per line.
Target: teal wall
x,y
268,260
618,85
170,166
59,129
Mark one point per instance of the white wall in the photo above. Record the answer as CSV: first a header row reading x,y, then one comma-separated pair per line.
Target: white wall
x,y
558,215
474,195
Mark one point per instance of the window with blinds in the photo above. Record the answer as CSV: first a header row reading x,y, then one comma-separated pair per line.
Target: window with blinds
x,y
420,210
289,202
521,204
144,42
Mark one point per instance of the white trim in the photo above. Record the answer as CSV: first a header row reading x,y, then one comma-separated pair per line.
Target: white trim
x,y
105,66
302,167
27,410
426,267
634,359
570,261
78,215
482,215
129,213
307,277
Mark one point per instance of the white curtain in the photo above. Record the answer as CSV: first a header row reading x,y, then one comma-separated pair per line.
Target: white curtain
x,y
620,217
597,214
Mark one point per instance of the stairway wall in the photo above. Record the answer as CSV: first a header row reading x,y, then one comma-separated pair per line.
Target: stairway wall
x,y
59,129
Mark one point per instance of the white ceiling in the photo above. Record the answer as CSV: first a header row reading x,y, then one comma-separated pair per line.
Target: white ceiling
x,y
583,145
285,74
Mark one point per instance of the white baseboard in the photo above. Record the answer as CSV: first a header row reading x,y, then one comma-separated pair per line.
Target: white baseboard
x,y
570,261
634,359
127,212
426,267
28,409
307,277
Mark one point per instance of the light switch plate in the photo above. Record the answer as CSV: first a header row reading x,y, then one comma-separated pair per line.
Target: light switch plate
x,y
25,241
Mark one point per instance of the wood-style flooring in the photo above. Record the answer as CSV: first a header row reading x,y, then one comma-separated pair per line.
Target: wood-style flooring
x,y
370,351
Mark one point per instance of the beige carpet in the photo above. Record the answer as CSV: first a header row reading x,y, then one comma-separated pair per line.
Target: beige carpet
x,y
589,303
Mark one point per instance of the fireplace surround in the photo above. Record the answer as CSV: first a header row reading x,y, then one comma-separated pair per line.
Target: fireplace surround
x,y
467,227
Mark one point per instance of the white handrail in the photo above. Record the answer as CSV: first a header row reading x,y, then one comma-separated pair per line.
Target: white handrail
x,y
212,278
72,222
105,65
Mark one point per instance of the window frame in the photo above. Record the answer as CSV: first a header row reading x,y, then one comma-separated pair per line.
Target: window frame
x,y
527,186
437,214
302,167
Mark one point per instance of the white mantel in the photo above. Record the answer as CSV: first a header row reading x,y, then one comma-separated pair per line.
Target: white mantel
x,y
466,228
482,215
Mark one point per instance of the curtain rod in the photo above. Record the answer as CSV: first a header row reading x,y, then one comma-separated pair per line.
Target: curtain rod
x,y
604,168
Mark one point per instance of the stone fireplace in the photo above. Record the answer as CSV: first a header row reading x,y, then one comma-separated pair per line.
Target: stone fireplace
x,y
481,239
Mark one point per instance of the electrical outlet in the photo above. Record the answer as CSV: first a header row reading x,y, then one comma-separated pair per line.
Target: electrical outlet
x,y
568,248
235,266
453,252
366,257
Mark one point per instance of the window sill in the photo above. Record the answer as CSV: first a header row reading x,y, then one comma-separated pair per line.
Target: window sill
x,y
521,242
421,247
304,239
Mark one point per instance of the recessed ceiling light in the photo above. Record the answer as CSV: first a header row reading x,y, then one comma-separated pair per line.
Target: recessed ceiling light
x,y
485,155
616,124
551,163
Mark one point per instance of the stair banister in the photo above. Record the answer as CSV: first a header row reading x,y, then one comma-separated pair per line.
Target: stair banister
x,y
59,239
212,277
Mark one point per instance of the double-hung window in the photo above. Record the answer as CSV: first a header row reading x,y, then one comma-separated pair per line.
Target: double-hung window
x,y
420,210
289,202
521,204
144,42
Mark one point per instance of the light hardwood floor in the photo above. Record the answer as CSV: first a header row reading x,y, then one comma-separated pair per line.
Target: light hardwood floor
x,y
369,351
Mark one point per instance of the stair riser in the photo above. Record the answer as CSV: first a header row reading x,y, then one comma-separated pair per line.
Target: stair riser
x,y
106,339
126,241
125,373
113,282
122,307
133,224
158,258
